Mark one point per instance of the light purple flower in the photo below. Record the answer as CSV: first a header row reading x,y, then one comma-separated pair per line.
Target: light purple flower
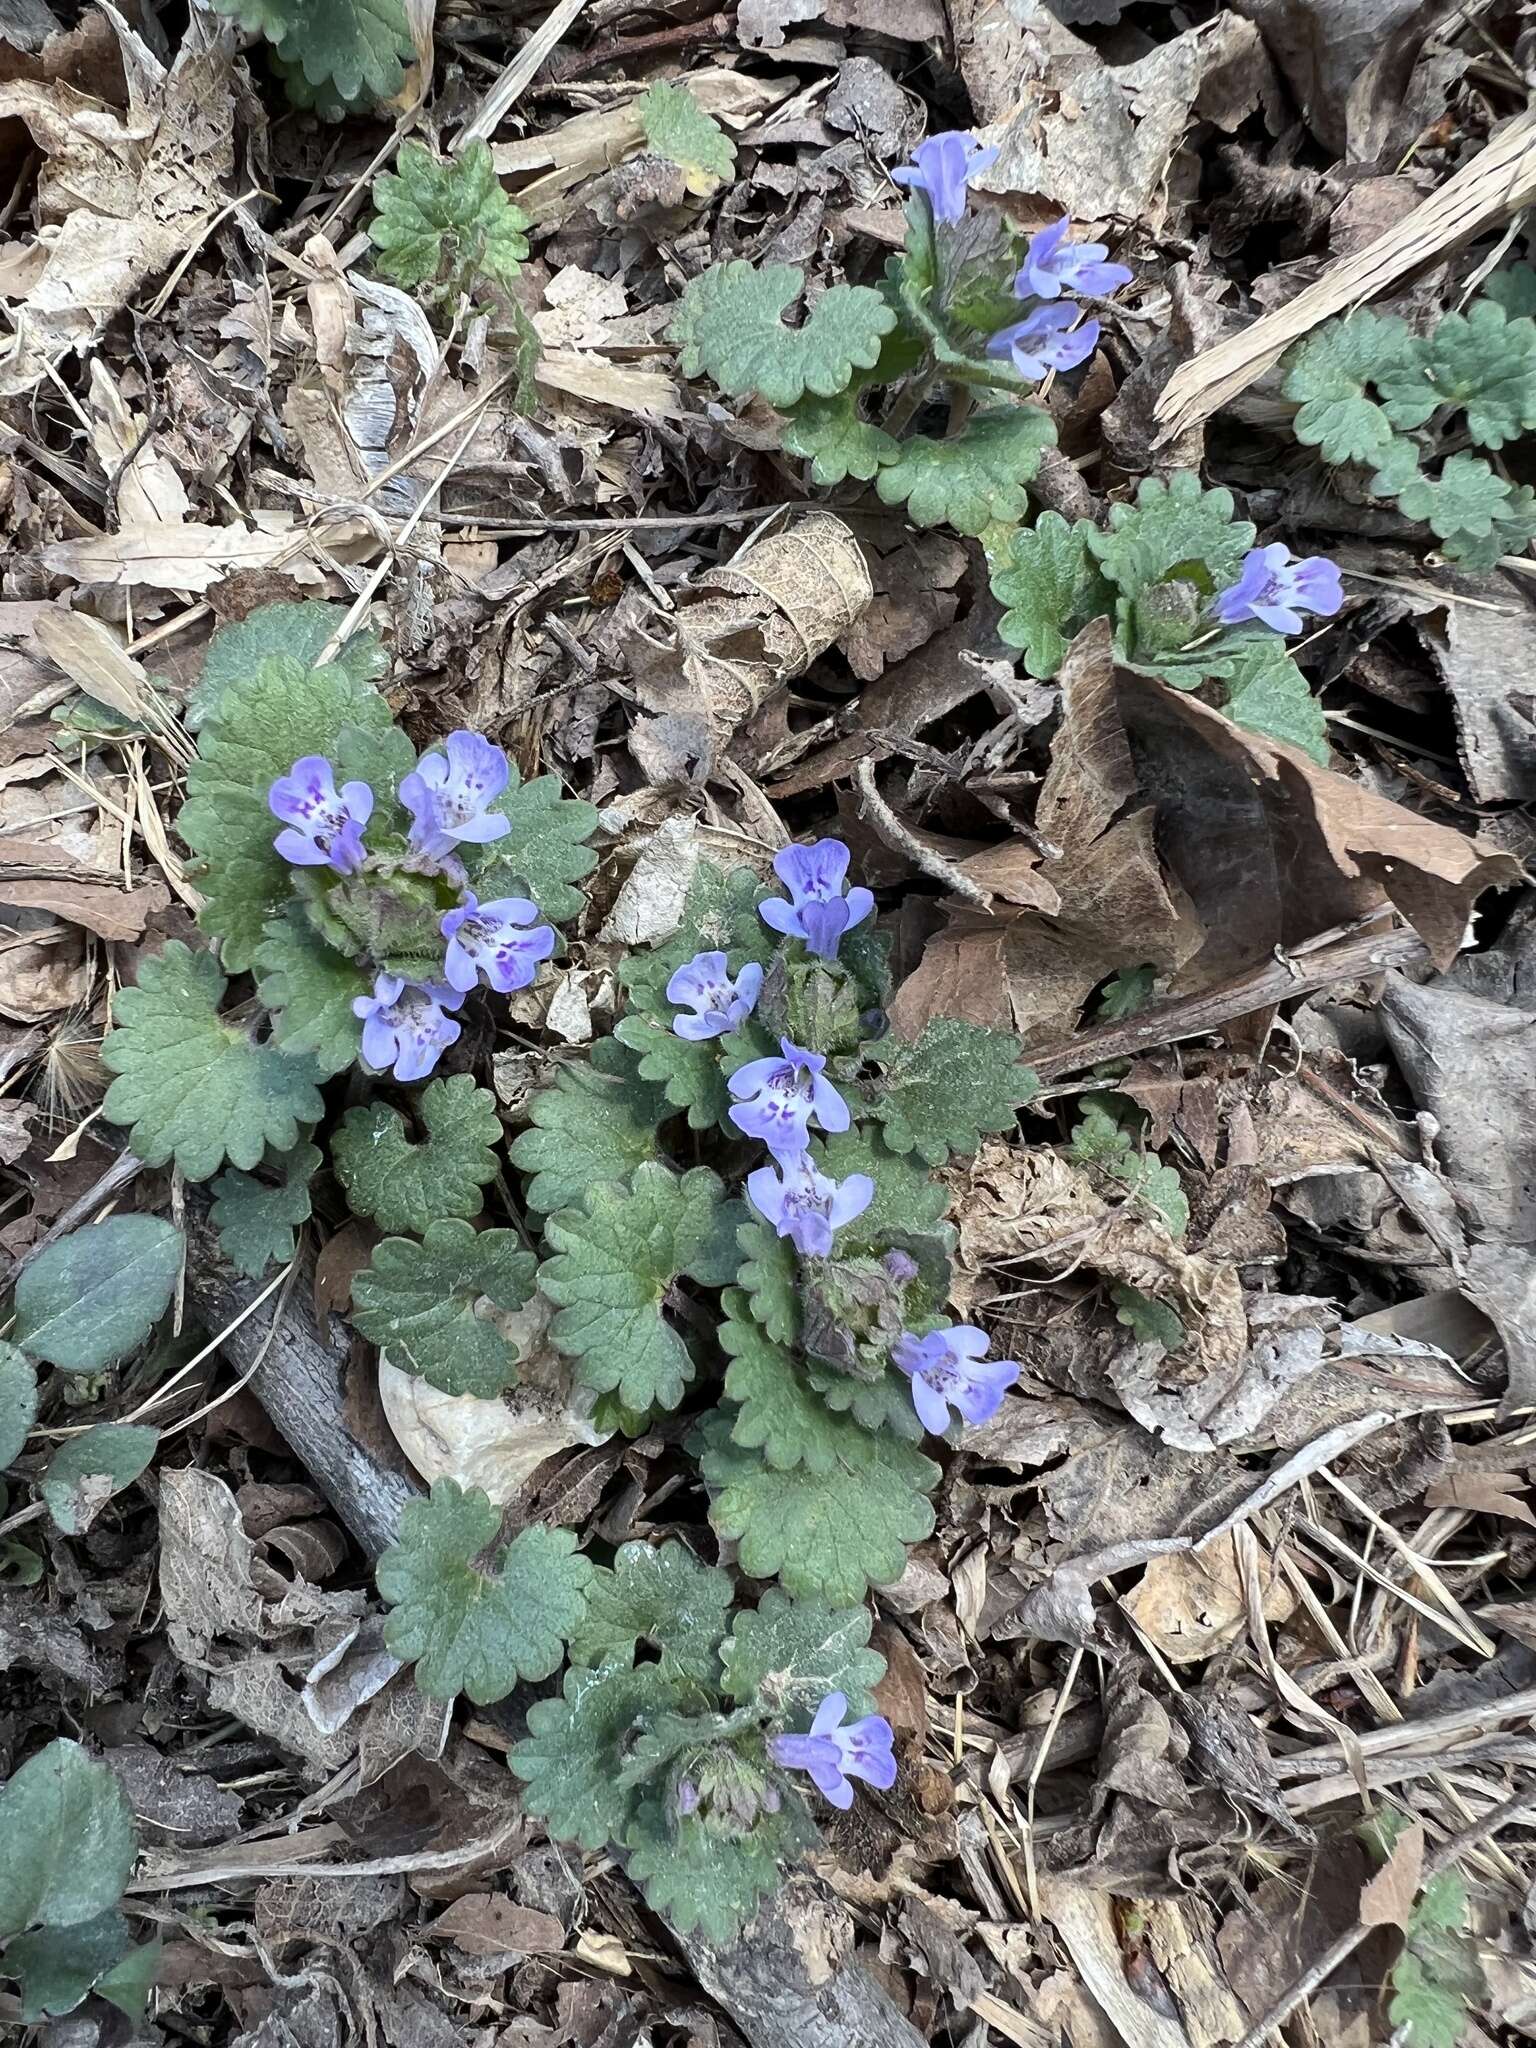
x,y
806,1206
324,825
832,1754
449,798
404,1026
1053,265
950,1369
942,167
776,1098
1046,340
1276,589
901,1266
817,910
719,1004
493,939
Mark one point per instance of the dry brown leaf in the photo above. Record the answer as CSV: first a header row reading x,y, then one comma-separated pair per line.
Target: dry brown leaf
x,y
45,878
1485,1493
1388,1900
120,195
1190,1604
486,1924
742,631
192,557
147,485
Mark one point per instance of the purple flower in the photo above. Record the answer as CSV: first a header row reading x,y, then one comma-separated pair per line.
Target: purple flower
x,y
1053,265
806,1206
942,167
901,1266
404,1027
950,1369
1046,340
718,1003
493,939
324,824
449,800
777,1097
1276,589
817,910
832,1754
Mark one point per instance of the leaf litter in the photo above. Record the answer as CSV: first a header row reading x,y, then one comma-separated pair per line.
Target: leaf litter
x,y
1209,1664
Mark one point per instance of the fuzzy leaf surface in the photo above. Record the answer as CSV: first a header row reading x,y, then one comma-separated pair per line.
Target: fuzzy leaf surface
x,y
1177,525
943,1093
405,1185
572,1762
309,987
789,1654
18,1402
257,729
256,1219
57,1966
68,1834
769,1278
544,855
193,1088
614,1262
825,1536
658,1594
1330,373
882,1404
836,439
417,1301
295,632
1466,498
776,1412
446,222
975,478
908,1201
1267,693
95,1295
1483,364
86,1470
473,1631
678,129
1049,579
597,1123
728,325
358,46
708,1882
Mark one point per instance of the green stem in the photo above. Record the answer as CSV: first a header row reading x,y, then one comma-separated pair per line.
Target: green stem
x,y
951,363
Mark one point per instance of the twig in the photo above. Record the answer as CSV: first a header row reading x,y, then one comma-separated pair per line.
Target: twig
x,y
518,76
1513,1811
1273,981
901,839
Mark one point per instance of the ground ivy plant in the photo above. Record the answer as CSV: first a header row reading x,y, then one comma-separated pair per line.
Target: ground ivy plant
x,y
730,1210
1390,407
333,56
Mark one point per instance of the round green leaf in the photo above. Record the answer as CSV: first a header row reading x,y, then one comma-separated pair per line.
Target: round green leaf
x,y
97,1293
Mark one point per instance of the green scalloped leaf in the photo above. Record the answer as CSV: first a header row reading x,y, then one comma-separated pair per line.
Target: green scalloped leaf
x,y
544,855
298,632
257,728
1177,526
678,129
68,1834
1466,499
769,1278
882,1404
776,1413
1098,1139
417,1302
956,1083
1329,373
572,1761
1481,363
191,1087
1049,579
790,1654
977,478
18,1402
404,1185
1267,693
614,1262
257,1219
444,223
473,1631
719,916
728,326
92,1297
358,46
835,438
1511,533
597,1123
660,1595
828,1536
909,1201
708,1882
87,1470
309,987
687,1071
